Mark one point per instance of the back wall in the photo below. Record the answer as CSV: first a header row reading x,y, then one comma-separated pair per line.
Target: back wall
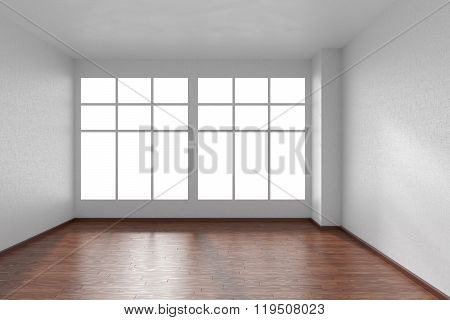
x,y
191,208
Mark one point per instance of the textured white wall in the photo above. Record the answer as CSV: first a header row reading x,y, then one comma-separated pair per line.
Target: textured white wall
x,y
316,137
36,135
397,140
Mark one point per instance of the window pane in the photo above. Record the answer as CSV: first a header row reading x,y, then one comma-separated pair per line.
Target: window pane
x,y
170,179
287,164
170,90
170,117
135,117
215,90
135,90
287,90
215,117
215,169
98,90
98,117
251,90
288,117
98,165
251,117
251,181
134,160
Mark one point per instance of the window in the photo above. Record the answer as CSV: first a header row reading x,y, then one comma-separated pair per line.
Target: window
x,y
251,138
134,138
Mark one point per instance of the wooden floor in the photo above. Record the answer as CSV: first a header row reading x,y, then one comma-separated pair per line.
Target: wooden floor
x,y
200,260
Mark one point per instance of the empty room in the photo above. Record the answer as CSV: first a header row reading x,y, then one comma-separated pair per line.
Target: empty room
x,y
276,150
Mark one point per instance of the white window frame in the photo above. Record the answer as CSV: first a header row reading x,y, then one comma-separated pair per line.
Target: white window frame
x,y
116,131
269,130
192,122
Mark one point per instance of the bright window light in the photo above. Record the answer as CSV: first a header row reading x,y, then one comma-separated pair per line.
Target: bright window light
x,y
98,117
243,123
135,90
247,122
170,90
251,166
134,171
289,117
251,117
215,117
98,90
132,117
251,90
287,90
170,181
287,161
98,165
170,117
215,166
215,90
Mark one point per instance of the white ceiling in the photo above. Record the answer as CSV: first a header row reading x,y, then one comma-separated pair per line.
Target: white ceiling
x,y
147,29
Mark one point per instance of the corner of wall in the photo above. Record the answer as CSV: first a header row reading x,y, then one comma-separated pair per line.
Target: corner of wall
x,y
326,138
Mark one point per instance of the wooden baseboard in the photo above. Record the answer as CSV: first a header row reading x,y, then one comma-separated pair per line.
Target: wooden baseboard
x,y
398,266
395,264
192,219
39,235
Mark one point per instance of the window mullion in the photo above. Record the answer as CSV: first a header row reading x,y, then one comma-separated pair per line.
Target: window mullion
x,y
234,139
117,138
152,133
268,139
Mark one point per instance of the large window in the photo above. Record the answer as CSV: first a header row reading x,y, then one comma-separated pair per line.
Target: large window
x,y
251,138
134,138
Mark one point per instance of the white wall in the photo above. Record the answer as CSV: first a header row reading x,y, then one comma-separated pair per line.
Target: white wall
x,y
396,134
192,208
36,135
316,137
326,137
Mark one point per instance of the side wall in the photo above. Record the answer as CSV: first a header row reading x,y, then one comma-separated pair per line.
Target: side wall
x,y
396,134
36,135
192,208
